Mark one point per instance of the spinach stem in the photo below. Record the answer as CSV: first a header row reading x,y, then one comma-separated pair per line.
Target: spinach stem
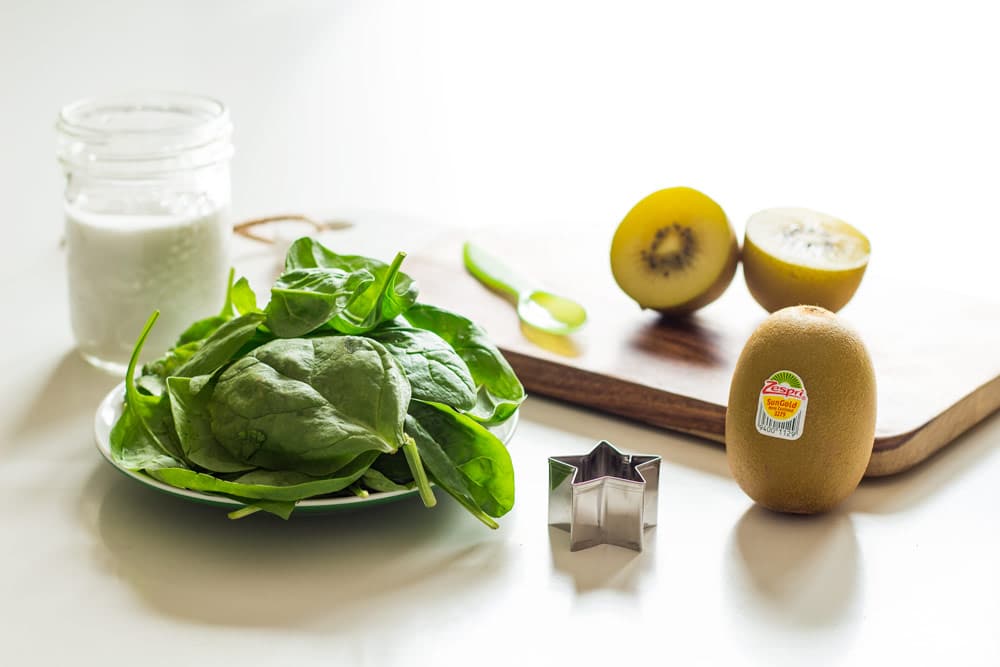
x,y
483,516
246,510
358,491
390,281
227,308
130,391
397,261
419,474
132,397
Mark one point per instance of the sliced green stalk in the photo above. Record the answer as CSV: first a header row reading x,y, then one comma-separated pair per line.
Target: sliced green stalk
x,y
492,272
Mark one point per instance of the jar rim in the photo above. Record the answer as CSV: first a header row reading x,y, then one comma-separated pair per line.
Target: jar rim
x,y
148,127
187,110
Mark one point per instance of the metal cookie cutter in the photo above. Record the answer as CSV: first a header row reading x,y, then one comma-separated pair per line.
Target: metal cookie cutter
x,y
604,497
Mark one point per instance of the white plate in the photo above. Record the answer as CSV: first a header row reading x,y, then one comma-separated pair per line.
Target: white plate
x,y
110,410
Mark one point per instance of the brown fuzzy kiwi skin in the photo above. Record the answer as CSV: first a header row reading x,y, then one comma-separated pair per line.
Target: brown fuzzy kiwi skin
x,y
823,467
715,290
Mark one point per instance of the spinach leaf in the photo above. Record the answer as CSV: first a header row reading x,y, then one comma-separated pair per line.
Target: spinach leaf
x,y
394,467
221,346
154,374
499,392
134,449
390,294
201,330
194,430
149,416
303,300
271,407
281,508
310,405
435,371
267,484
466,460
376,481
243,297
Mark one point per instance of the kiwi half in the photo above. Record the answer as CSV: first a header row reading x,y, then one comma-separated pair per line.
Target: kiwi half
x,y
675,251
795,256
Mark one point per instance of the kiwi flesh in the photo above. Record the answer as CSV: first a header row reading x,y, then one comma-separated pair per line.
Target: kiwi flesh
x,y
675,251
794,256
813,464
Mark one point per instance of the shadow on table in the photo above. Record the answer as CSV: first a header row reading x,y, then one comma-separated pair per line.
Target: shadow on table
x,y
874,495
793,571
605,566
71,390
678,448
324,572
885,495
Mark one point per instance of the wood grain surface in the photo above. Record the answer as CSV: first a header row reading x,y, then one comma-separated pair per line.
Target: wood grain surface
x,y
936,354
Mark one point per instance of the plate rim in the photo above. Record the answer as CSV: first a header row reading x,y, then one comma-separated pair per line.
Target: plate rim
x,y
111,408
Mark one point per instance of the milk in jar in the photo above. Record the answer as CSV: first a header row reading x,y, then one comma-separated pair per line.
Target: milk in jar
x,y
121,268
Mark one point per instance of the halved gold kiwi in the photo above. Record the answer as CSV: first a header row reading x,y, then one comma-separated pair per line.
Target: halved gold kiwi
x,y
794,256
675,251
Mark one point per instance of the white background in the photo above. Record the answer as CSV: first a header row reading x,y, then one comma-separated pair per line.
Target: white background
x,y
499,116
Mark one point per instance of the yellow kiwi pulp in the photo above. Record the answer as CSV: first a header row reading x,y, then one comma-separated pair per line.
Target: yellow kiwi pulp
x,y
675,251
800,422
794,256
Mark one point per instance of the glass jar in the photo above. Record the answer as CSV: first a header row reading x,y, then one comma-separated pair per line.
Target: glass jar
x,y
148,227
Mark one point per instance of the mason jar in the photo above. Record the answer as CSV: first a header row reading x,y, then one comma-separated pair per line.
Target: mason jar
x,y
147,204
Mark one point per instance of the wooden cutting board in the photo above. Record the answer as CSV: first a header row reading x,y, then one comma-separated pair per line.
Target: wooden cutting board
x,y
936,355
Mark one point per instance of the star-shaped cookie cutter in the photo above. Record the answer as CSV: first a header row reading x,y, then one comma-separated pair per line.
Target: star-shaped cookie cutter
x,y
604,497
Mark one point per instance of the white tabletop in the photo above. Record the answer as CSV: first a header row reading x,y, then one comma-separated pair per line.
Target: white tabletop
x,y
403,116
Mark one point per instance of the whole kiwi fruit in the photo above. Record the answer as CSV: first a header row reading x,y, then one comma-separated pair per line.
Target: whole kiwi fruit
x,y
675,251
800,423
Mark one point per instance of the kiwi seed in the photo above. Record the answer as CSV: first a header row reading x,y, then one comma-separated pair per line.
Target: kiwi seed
x,y
674,251
675,259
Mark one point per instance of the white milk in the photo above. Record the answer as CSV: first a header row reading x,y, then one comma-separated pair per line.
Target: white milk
x,y
122,267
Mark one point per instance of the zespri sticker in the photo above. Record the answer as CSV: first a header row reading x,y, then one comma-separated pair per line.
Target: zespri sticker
x,y
781,409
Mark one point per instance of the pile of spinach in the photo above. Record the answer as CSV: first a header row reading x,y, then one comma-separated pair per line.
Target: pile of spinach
x,y
342,384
